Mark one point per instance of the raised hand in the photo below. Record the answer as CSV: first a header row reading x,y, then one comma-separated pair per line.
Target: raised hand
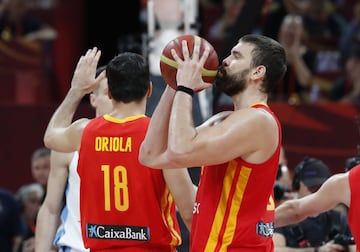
x,y
84,75
189,69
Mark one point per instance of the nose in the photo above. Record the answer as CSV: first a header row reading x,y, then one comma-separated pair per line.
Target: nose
x,y
224,62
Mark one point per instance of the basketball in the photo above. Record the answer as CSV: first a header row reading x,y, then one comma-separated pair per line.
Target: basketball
x,y
168,65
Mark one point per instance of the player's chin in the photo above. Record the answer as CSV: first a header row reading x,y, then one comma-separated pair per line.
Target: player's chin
x,y
220,78
221,82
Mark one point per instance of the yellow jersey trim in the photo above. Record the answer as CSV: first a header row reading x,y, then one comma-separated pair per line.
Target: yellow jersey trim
x,y
117,120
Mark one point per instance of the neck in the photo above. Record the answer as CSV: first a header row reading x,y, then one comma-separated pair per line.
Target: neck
x,y
122,110
248,97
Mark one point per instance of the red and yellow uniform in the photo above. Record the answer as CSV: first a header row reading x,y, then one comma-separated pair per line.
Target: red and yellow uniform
x,y
353,215
123,204
234,209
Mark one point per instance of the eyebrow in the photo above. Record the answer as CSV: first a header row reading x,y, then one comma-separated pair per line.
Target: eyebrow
x,y
237,53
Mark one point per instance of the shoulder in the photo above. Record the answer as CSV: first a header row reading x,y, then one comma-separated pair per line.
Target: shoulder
x,y
254,122
337,186
259,118
338,180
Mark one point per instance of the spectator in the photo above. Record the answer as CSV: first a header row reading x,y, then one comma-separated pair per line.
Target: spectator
x,y
16,23
277,10
10,222
342,188
346,88
351,35
298,77
323,25
29,197
40,166
26,53
231,10
316,232
323,28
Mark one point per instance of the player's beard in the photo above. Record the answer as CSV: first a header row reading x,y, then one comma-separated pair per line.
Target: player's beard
x,y
231,84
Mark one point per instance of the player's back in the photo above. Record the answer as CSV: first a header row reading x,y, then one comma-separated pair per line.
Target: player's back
x,y
123,203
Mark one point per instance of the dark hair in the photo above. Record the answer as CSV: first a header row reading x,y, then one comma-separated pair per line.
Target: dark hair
x,y
128,77
40,152
271,54
312,172
99,70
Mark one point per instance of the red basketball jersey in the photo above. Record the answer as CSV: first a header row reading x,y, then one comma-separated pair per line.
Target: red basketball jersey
x,y
123,204
234,209
353,215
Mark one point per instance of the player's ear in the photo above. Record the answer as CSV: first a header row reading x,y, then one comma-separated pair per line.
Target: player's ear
x,y
149,92
258,72
109,94
92,100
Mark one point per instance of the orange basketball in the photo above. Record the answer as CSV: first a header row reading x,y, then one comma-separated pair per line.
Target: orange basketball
x,y
168,65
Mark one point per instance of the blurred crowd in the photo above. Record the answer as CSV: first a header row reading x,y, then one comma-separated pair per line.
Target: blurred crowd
x,y
18,211
321,39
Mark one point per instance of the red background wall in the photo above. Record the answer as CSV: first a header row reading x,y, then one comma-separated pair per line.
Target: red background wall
x,y
326,131
21,132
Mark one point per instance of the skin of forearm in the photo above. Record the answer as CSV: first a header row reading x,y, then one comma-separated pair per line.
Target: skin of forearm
x,y
45,230
182,130
157,136
287,214
64,113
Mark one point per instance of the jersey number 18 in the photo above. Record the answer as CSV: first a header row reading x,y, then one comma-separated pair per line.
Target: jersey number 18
x,y
119,185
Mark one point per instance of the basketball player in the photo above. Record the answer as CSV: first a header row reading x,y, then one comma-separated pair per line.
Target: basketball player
x,y
63,178
234,208
123,205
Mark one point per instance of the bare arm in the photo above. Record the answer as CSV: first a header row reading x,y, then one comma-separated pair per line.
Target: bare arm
x,y
49,214
183,191
60,134
241,134
333,192
155,143
189,146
